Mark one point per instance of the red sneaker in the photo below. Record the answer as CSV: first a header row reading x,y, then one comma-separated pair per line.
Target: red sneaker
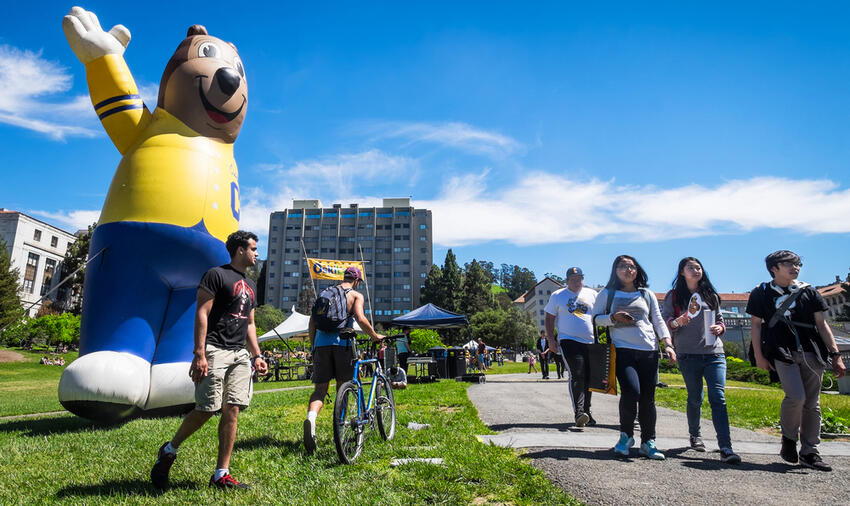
x,y
228,481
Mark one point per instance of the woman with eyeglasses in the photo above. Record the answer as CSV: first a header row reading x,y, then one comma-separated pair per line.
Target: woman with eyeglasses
x,y
790,336
692,312
631,312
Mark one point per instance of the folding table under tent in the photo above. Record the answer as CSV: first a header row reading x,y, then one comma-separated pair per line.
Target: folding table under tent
x,y
430,316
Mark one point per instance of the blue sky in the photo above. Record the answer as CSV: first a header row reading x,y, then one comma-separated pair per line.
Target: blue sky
x,y
545,135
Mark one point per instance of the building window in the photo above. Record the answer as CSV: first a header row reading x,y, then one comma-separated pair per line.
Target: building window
x,y
274,252
54,241
49,269
330,215
29,272
271,274
313,216
385,215
422,238
365,214
422,227
542,322
274,228
294,215
422,250
36,236
402,213
541,302
541,312
422,275
284,299
396,311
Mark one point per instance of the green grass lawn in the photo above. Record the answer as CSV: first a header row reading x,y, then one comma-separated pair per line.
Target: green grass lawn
x,y
65,458
751,409
29,387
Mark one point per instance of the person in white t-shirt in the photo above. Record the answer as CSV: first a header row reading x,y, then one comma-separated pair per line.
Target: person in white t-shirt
x,y
569,310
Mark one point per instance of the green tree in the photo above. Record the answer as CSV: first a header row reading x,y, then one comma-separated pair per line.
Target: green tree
x,y
555,277
488,325
422,340
476,294
71,294
451,284
516,280
519,328
56,329
267,317
503,301
431,292
10,303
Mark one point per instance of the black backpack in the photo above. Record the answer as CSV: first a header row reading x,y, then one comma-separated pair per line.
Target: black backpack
x,y
330,311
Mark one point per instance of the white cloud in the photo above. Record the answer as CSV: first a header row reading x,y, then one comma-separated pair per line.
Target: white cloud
x,y
452,134
337,177
25,78
69,220
545,208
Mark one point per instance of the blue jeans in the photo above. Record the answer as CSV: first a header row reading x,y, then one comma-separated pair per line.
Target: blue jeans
x,y
712,367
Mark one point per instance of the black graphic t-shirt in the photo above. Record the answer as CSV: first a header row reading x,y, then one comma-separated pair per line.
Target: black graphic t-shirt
x,y
227,325
765,299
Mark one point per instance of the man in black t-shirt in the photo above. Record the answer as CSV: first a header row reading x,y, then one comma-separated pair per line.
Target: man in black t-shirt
x,y
221,367
798,345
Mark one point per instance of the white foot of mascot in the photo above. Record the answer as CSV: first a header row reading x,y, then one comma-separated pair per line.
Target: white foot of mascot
x,y
172,203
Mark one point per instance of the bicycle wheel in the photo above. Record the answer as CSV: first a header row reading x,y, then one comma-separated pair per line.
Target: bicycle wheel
x,y
348,434
385,409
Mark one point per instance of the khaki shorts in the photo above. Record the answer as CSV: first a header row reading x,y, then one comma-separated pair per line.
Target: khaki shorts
x,y
228,380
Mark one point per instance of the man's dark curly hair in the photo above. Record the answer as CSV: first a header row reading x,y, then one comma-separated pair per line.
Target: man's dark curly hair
x,y
239,239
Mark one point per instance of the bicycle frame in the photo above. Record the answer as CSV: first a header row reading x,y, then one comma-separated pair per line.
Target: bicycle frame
x,y
364,408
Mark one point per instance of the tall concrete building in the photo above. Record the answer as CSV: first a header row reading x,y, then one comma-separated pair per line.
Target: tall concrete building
x,y
396,240
37,251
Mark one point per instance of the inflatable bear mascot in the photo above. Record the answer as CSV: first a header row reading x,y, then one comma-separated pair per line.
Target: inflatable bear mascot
x,y
172,203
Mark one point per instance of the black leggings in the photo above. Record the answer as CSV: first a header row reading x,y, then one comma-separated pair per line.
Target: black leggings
x,y
578,361
636,373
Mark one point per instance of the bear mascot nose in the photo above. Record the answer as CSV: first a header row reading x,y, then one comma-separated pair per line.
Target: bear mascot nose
x,y
228,80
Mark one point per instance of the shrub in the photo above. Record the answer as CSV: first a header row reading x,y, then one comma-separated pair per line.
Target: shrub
x,y
832,423
739,370
421,340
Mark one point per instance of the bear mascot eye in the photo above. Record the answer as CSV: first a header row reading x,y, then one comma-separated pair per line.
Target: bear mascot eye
x,y
208,50
239,67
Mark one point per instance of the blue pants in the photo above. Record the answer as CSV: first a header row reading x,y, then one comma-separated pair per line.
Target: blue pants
x,y
712,367
140,294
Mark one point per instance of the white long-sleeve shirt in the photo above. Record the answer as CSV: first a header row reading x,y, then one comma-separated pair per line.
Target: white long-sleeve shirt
x,y
642,334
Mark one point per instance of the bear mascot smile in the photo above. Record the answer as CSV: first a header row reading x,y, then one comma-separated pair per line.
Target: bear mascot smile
x,y
172,203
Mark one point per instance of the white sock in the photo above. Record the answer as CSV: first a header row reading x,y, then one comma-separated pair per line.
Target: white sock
x,y
219,473
170,449
311,416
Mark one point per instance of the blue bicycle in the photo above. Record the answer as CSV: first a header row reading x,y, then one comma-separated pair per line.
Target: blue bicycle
x,y
355,410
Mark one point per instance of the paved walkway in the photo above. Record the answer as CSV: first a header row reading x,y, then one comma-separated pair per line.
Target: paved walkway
x,y
538,416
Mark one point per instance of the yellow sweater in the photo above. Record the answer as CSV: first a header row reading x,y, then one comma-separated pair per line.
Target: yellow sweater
x,y
169,173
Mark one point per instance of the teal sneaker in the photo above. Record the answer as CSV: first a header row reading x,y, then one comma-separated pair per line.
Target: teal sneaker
x,y
649,451
623,445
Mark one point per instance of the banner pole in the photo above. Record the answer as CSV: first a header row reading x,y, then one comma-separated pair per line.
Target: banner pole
x,y
368,297
304,250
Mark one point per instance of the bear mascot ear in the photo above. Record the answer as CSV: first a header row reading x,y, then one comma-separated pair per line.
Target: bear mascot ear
x,y
196,30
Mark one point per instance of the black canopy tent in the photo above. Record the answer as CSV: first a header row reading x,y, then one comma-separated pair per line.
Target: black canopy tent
x,y
430,316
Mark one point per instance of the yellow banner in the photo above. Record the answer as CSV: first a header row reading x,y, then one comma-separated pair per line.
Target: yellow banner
x,y
332,269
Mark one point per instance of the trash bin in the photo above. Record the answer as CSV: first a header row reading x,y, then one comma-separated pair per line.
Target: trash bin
x,y
455,362
439,369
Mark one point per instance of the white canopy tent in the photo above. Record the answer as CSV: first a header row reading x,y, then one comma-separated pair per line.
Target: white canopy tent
x,y
296,324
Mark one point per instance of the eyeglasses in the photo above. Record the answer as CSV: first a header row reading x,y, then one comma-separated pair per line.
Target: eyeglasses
x,y
626,267
789,263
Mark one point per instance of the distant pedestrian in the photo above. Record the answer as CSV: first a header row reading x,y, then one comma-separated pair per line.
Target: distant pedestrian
x,y
482,352
568,311
543,352
531,362
402,346
692,312
790,335
631,311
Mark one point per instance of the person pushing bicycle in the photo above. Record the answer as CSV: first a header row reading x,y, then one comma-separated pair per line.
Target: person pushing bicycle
x,y
331,324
